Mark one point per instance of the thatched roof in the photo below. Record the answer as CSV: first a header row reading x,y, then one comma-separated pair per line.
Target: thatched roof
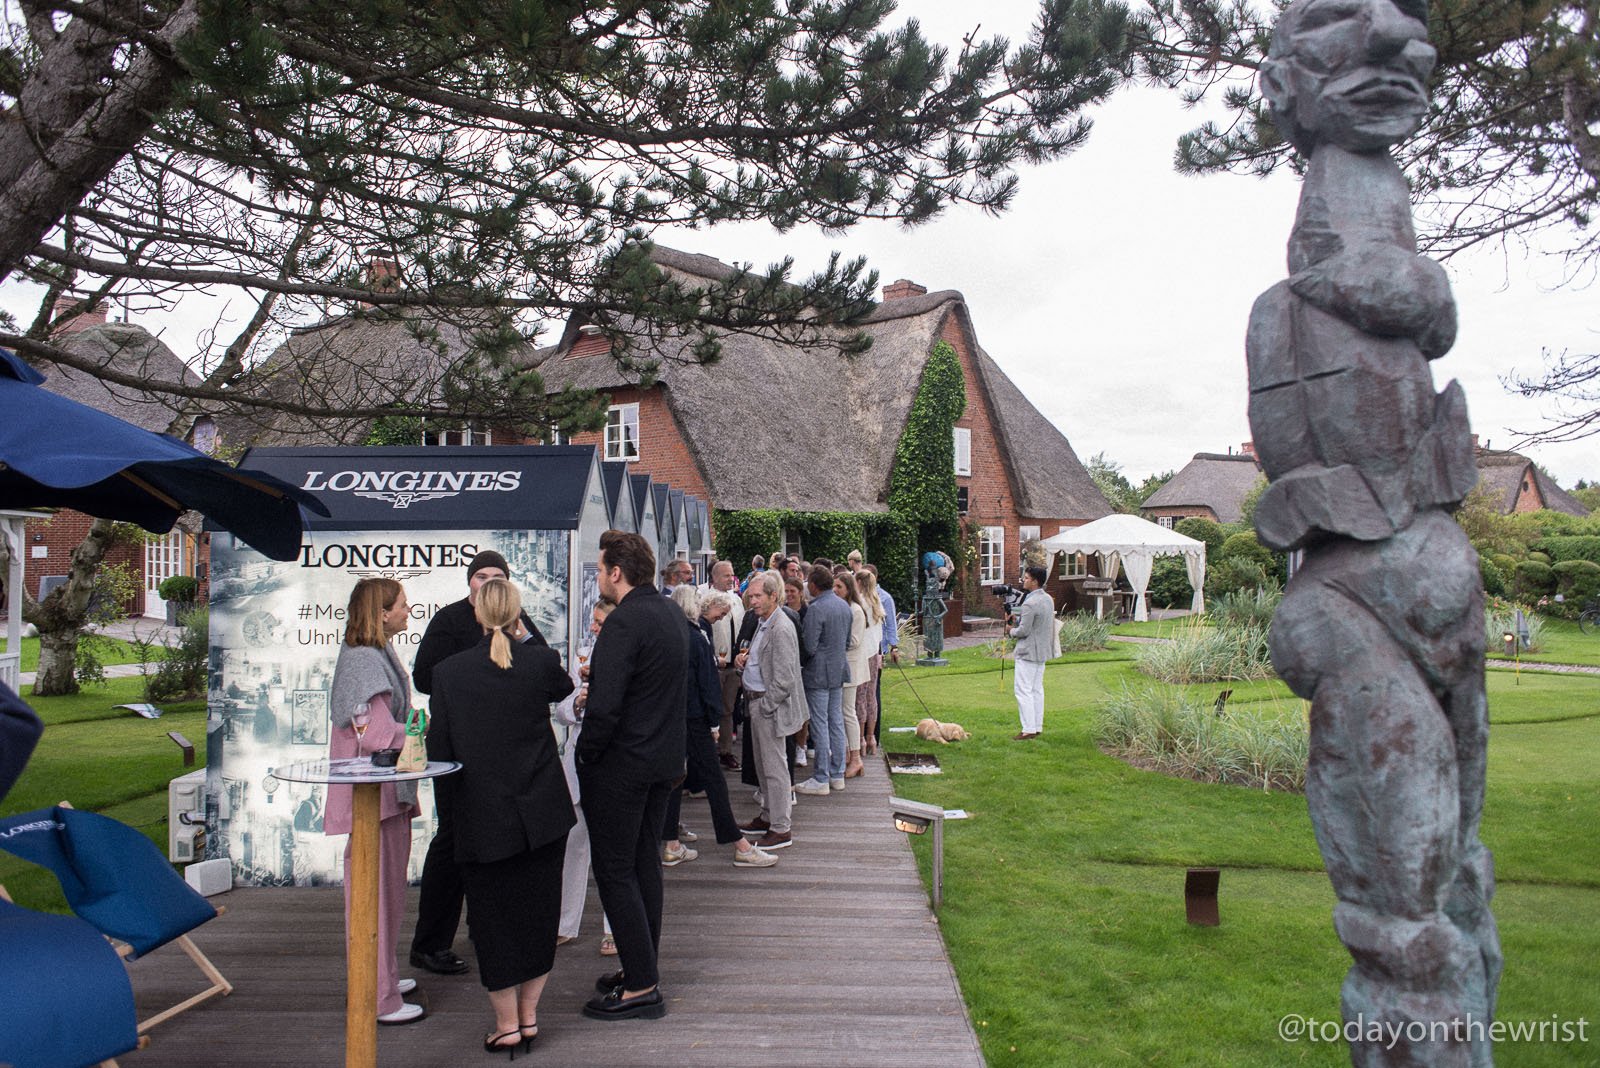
x,y
1502,474
128,349
1051,482
1211,480
778,425
356,360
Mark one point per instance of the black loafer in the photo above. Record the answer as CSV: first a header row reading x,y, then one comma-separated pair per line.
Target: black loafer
x,y
608,982
614,1006
440,962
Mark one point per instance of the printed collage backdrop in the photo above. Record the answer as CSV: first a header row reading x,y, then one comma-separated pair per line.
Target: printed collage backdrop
x,y
275,633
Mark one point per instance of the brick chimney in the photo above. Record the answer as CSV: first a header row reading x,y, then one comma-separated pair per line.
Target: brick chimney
x,y
67,305
903,288
1247,449
383,271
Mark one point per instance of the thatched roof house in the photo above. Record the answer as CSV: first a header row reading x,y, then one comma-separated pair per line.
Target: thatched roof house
x,y
775,425
1212,486
1518,485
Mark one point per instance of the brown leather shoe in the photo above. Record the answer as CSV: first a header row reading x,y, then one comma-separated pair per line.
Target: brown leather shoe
x,y
774,840
756,825
1022,737
729,761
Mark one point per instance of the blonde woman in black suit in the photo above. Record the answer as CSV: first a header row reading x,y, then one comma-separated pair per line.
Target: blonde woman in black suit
x,y
512,808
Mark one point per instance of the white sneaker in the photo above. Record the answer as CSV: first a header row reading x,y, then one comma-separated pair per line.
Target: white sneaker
x,y
753,858
812,787
800,757
672,857
836,785
407,985
757,795
406,1013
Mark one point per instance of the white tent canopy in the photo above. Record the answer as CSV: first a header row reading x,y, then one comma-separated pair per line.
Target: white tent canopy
x,y
1135,543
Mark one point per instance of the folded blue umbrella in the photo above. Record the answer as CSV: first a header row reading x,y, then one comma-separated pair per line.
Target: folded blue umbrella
x,y
57,453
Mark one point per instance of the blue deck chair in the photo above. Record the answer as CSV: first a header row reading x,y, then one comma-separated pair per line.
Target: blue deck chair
x,y
68,1002
115,879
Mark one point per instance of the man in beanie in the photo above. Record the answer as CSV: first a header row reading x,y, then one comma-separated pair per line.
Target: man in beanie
x,y
452,630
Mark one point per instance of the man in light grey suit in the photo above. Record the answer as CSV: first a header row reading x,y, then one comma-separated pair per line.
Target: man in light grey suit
x,y
774,710
1035,632
825,632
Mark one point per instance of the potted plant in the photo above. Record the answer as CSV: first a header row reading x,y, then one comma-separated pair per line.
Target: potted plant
x,y
179,593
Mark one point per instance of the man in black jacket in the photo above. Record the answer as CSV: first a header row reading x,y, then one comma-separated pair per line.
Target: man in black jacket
x,y
452,630
630,757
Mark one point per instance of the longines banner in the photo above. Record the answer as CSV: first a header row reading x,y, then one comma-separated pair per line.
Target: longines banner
x,y
276,626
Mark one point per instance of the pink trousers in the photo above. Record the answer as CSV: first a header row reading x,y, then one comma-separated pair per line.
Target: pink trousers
x,y
394,856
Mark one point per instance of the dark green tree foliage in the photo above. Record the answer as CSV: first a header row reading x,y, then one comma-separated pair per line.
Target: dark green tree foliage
x,y
1494,579
1508,146
506,158
1108,476
922,485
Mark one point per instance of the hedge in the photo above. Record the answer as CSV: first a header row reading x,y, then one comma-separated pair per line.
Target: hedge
x,y
1570,547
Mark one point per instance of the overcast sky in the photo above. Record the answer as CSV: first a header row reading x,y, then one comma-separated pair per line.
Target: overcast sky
x,y
1115,292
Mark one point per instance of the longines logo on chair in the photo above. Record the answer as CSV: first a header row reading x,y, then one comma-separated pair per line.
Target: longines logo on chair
x,y
402,489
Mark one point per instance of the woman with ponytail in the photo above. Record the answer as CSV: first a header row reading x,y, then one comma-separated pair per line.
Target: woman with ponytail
x,y
491,711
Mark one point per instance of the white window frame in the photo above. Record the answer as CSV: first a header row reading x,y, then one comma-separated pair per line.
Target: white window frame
x,y
1027,534
1074,565
791,545
467,435
619,441
991,555
963,447
1165,521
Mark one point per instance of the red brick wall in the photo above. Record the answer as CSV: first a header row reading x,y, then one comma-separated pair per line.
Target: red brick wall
x,y
60,535
1528,499
663,453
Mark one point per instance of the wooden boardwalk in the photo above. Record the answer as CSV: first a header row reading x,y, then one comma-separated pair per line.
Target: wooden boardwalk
x,y
830,958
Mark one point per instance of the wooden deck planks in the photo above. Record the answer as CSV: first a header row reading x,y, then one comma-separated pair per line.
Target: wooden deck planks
x,y
830,958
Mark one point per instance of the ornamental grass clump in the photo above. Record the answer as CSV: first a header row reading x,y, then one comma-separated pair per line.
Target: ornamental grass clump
x,y
1240,608
1082,633
1265,745
1500,619
1209,654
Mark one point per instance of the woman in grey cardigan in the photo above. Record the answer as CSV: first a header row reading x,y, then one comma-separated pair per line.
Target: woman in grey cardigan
x,y
369,703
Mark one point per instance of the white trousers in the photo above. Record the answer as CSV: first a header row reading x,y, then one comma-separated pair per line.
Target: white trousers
x,y
1029,688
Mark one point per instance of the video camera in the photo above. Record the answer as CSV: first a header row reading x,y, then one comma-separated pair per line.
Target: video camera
x,y
1010,596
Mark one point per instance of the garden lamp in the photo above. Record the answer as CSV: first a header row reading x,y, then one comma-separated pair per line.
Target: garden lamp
x,y
914,817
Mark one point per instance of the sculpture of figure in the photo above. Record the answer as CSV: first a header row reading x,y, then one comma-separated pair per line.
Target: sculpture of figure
x,y
936,569
1382,626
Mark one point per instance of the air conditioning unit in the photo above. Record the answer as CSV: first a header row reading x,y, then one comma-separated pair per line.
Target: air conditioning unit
x,y
186,814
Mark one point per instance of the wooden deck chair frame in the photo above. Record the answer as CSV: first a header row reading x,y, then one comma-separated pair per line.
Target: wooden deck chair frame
x,y
219,982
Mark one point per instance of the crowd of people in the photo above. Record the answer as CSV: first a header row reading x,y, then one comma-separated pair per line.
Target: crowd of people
x,y
775,676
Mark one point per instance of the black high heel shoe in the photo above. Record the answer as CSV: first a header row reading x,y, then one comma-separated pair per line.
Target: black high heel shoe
x,y
527,1039
493,1044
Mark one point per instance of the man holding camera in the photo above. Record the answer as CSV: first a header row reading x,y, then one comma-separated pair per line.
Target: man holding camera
x,y
1034,629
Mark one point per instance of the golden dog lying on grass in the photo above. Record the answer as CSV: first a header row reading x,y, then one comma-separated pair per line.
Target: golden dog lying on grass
x,y
943,733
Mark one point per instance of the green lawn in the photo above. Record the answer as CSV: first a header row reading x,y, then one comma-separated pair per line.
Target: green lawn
x,y
1562,642
1063,894
102,758
116,651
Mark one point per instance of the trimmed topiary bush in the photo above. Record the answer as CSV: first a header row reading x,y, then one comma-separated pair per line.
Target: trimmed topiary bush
x,y
1571,547
1506,563
1533,580
1540,558
1201,529
1577,581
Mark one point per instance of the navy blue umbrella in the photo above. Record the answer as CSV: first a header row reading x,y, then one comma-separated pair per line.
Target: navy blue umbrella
x,y
57,453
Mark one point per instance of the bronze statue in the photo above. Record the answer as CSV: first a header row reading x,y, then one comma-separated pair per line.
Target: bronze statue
x,y
1382,626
